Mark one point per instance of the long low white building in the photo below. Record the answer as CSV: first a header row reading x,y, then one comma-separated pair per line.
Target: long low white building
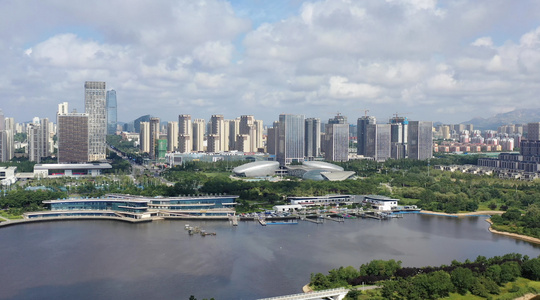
x,y
324,200
71,170
381,202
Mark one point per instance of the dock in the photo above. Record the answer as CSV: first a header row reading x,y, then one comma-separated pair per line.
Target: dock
x,y
262,221
317,221
234,220
339,220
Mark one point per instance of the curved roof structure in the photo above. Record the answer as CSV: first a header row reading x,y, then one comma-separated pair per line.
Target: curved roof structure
x,y
322,165
257,169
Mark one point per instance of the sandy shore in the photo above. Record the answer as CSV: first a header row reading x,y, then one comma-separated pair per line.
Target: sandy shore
x,y
474,213
514,235
487,212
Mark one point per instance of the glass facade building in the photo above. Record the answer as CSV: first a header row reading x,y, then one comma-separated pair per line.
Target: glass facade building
x,y
112,118
290,146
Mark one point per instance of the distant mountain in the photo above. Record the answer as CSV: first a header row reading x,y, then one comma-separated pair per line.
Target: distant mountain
x,y
518,116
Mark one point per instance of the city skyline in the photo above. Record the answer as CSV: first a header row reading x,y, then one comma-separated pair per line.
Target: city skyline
x,y
265,58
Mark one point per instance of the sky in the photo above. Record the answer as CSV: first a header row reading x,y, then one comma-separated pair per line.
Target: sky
x,y
445,61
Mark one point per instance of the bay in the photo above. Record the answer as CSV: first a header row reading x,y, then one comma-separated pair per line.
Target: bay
x,y
159,260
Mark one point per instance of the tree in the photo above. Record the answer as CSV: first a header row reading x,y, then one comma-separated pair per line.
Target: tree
x,y
512,214
531,269
510,271
462,279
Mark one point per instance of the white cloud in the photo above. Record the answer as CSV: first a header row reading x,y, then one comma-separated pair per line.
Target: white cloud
x,y
341,88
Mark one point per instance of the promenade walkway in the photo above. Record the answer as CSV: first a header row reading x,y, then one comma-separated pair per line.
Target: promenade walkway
x,y
334,294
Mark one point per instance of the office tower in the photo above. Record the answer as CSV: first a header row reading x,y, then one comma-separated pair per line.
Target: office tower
x,y
96,108
312,138
420,140
172,136
72,134
337,139
445,130
199,126
9,124
378,141
154,137
290,139
234,130
398,137
271,140
144,137
533,131
361,128
111,112
218,130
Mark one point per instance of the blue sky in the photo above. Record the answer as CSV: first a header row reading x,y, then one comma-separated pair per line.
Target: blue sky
x,y
446,61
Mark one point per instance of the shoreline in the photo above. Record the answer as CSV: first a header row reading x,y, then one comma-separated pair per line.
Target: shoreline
x,y
458,215
526,238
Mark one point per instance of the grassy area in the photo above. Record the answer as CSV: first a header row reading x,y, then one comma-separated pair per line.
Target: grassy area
x,y
214,174
10,216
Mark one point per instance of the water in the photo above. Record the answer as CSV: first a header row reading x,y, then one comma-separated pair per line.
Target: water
x,y
159,260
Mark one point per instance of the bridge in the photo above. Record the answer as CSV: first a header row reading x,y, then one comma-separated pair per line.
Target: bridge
x,y
333,294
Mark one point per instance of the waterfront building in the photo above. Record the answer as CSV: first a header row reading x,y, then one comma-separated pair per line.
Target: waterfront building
x,y
420,135
337,139
361,134
112,111
312,138
72,134
324,200
381,203
290,139
95,107
172,136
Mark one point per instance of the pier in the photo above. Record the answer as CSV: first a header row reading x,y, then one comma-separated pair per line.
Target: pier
x,y
334,294
262,221
339,220
317,221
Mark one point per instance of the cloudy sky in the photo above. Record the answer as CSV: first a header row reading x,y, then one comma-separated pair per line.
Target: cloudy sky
x,y
433,60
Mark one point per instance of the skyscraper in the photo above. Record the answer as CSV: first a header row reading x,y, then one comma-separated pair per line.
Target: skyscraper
x,y
218,130
154,137
290,139
199,126
361,133
95,107
38,140
377,141
112,120
172,136
337,139
271,140
533,131
185,134
144,137
313,138
420,140
234,130
72,133
399,137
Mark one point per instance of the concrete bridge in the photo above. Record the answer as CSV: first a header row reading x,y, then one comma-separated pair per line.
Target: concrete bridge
x,y
333,294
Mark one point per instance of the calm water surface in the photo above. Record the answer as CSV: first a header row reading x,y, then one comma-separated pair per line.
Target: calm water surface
x,y
159,260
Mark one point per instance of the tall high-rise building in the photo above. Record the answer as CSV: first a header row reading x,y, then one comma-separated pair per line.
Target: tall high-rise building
x,y
213,141
420,140
313,138
72,134
38,140
533,131
199,126
172,136
185,134
378,141
254,129
337,139
112,118
398,137
154,137
290,139
361,128
271,140
95,105
258,144
144,137
6,140
218,130
234,130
